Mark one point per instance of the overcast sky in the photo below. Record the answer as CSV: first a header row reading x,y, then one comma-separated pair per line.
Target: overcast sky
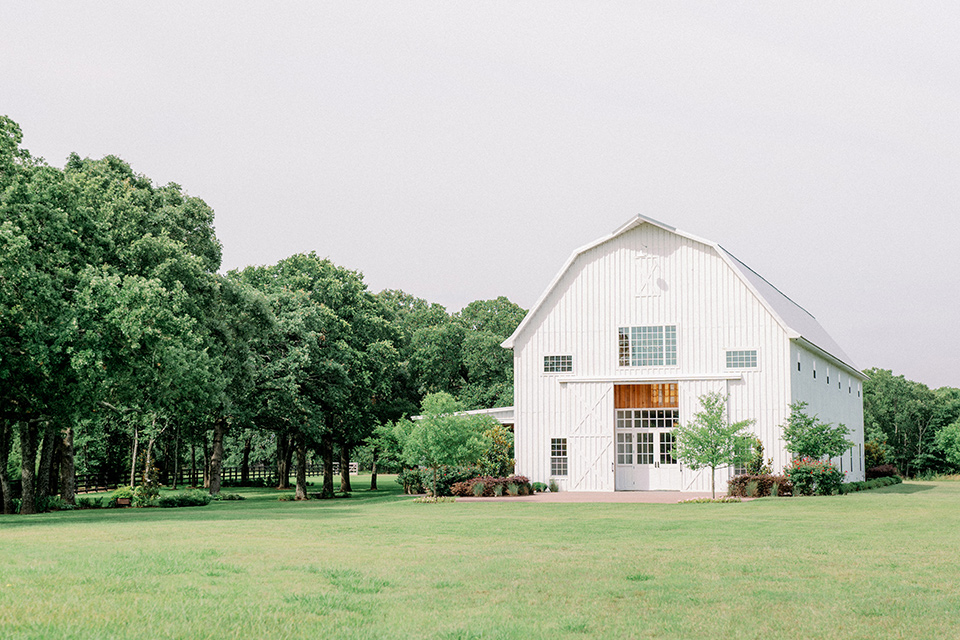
x,y
462,150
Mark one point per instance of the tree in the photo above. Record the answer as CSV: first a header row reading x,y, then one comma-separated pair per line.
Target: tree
x,y
807,437
710,440
948,441
488,366
442,437
904,412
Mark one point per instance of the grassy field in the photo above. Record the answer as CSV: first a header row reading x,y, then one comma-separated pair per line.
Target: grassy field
x,y
878,564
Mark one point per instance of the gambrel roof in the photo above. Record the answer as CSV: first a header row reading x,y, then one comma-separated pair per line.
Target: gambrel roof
x,y
799,324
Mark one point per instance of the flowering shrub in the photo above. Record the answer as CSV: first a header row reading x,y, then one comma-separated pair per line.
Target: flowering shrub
x,y
808,476
488,486
421,480
764,485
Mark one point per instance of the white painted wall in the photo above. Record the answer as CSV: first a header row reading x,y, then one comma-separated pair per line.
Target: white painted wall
x,y
835,396
652,276
646,276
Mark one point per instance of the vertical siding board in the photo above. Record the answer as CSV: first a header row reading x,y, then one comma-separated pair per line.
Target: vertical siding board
x,y
713,310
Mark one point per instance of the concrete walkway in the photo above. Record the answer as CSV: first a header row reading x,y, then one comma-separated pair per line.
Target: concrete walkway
x,y
658,497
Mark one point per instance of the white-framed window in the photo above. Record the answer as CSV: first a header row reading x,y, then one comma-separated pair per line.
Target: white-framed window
x,y
651,346
557,364
741,359
558,456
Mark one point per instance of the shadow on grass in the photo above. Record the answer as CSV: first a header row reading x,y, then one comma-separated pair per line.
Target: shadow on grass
x,y
258,503
906,487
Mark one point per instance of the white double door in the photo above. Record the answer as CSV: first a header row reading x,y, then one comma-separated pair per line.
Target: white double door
x,y
645,461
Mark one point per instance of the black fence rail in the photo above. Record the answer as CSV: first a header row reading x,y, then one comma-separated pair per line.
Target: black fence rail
x,y
94,482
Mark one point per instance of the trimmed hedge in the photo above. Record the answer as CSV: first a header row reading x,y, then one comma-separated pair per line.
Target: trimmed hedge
x,y
759,486
876,483
488,486
882,471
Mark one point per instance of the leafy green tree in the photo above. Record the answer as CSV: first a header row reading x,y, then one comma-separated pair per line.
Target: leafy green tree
x,y
948,441
808,437
904,411
497,459
488,367
711,441
442,437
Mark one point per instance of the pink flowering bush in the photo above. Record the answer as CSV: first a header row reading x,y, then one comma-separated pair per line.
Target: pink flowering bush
x,y
809,476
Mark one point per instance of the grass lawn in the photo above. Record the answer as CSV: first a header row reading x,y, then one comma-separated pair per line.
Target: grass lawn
x,y
878,564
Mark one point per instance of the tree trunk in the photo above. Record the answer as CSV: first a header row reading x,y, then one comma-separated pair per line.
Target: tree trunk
x,y
133,461
301,468
6,440
206,461
147,476
193,464
326,447
216,458
47,448
176,457
245,462
28,467
68,469
284,454
345,469
373,470
713,481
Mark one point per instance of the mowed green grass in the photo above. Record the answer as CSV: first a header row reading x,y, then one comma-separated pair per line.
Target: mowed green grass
x,y
878,564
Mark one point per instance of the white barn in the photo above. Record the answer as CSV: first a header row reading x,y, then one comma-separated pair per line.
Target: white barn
x,y
633,330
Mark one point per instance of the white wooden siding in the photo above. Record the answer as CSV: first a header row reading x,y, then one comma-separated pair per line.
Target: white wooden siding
x,y
838,401
605,288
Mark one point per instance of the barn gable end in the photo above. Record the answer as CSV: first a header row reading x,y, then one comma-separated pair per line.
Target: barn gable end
x,y
693,306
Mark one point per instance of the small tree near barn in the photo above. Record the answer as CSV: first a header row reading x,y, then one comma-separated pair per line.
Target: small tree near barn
x,y
442,437
710,440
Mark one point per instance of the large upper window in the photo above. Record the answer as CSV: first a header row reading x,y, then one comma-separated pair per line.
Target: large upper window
x,y
557,364
742,359
648,346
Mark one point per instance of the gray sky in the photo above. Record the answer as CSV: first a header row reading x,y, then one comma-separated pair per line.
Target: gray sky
x,y
462,150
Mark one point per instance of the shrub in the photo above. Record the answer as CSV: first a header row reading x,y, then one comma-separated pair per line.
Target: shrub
x,y
124,493
411,480
191,498
449,476
554,487
539,486
433,499
876,483
761,485
89,503
882,471
808,476
227,496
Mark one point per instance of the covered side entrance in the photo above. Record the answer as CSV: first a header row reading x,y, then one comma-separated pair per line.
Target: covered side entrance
x,y
645,415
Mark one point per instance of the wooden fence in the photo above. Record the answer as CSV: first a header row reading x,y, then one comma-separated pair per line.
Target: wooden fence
x,y
92,482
